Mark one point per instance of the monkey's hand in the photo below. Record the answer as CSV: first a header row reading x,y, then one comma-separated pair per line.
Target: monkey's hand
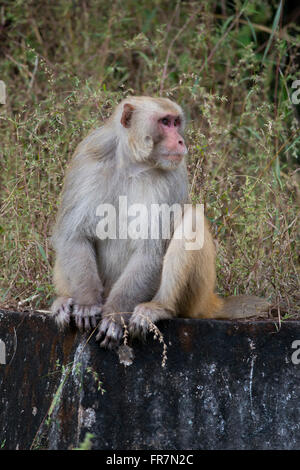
x,y
145,316
61,311
86,316
111,328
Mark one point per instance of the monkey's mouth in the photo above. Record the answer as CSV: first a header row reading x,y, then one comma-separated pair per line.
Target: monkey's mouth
x,y
176,157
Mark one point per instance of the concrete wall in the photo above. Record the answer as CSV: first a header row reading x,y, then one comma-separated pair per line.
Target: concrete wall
x,y
225,385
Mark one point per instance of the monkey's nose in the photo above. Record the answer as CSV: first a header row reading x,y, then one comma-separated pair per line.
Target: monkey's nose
x,y
180,142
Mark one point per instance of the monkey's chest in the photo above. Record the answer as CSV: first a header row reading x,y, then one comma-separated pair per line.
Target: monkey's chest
x,y
137,223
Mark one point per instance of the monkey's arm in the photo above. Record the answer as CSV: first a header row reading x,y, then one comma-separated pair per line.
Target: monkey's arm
x,y
76,276
138,283
77,283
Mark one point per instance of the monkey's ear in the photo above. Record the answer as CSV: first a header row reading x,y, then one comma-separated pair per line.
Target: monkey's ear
x,y
126,115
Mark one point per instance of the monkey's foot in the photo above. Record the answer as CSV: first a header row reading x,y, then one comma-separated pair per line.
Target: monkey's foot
x,y
145,316
111,328
61,311
86,316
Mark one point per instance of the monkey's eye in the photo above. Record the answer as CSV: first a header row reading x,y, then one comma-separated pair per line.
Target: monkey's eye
x,y
177,122
165,121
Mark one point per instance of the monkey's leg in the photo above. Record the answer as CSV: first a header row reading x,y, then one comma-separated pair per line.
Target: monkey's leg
x,y
187,289
187,283
138,283
78,285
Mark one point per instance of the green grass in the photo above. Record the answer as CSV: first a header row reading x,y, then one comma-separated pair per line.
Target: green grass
x,y
67,63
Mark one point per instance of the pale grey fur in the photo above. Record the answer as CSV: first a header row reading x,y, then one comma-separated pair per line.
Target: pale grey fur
x,y
127,270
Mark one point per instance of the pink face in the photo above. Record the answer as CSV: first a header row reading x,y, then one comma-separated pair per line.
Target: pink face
x,y
172,141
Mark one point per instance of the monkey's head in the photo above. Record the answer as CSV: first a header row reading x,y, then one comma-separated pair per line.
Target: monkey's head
x,y
153,131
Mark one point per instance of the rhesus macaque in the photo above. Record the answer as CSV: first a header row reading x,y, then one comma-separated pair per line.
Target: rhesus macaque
x,y
138,153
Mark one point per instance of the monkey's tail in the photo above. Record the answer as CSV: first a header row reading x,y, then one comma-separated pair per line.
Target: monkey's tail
x,y
242,306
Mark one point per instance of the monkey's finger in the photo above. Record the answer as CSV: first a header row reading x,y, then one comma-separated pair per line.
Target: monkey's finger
x,y
102,329
78,315
61,311
113,336
112,341
95,315
94,321
69,305
138,325
61,317
86,323
89,322
79,322
106,343
99,335
115,332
